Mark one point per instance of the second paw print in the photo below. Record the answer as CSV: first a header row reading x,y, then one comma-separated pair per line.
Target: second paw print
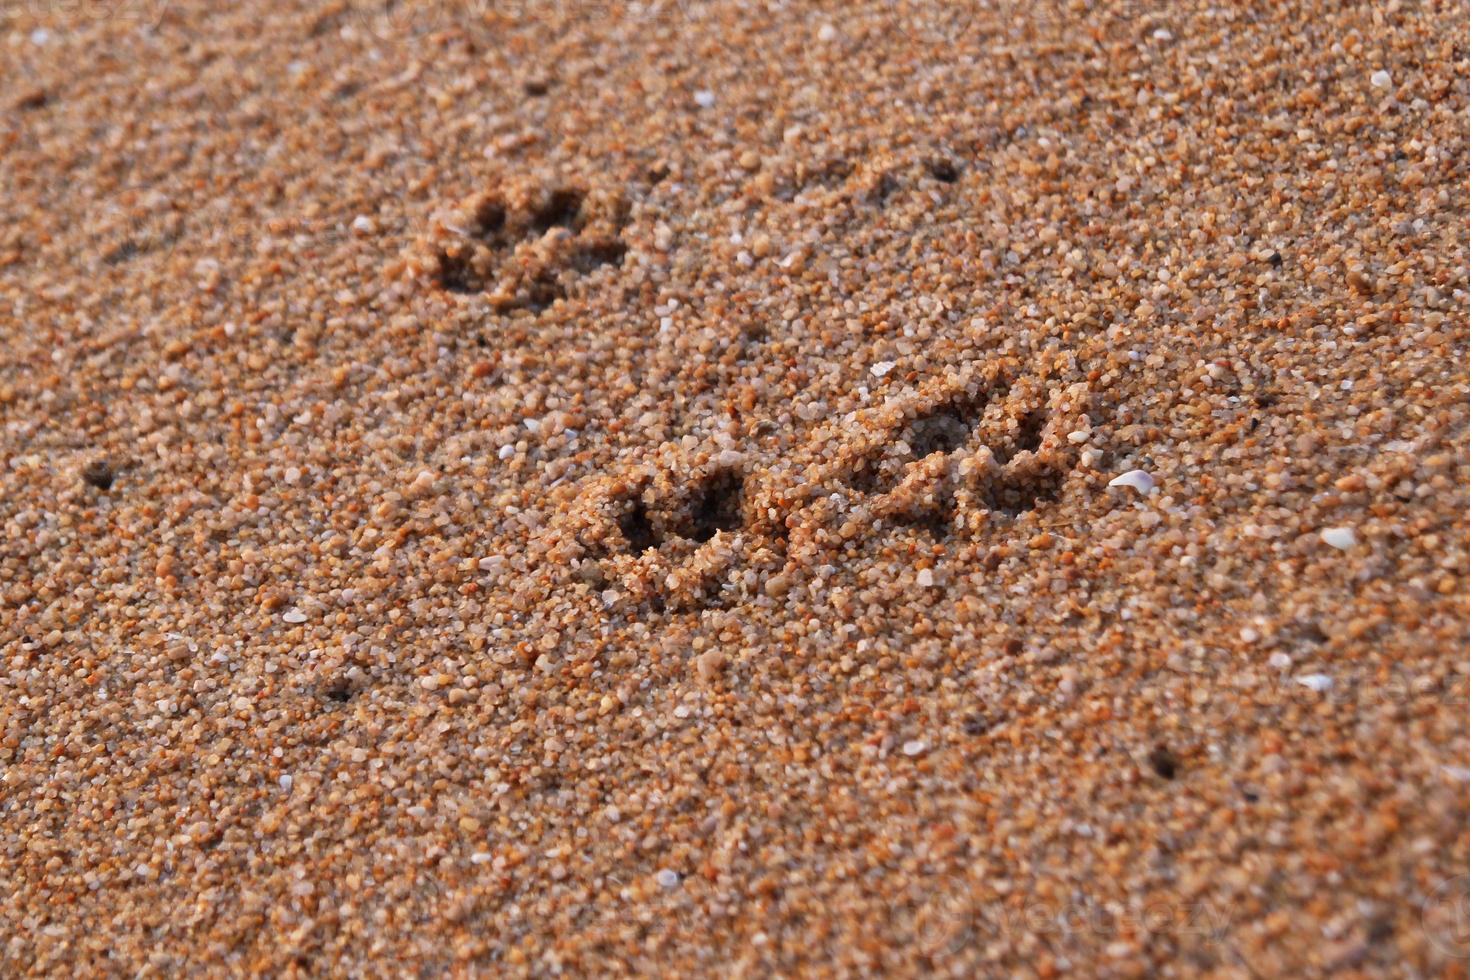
x,y
958,456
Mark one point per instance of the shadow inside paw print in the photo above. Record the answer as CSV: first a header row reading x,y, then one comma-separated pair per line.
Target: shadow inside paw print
x,y
558,208
1025,488
525,247
1027,438
716,506
637,528
693,514
934,517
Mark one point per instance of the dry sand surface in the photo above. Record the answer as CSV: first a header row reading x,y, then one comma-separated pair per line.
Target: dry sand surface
x,y
533,488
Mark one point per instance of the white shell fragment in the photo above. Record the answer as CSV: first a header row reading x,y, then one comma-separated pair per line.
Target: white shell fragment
x,y
1316,682
1137,479
1341,538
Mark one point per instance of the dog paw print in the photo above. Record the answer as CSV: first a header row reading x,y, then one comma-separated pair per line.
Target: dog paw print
x,y
1022,458
526,246
939,429
664,532
659,511
980,451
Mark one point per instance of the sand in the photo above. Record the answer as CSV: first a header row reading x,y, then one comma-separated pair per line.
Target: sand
x,y
510,489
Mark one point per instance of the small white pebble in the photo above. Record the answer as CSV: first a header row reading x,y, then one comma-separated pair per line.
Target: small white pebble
x,y
1249,635
1381,79
704,98
1079,436
40,36
1460,774
1137,479
286,782
506,451
668,878
1341,538
1316,682
363,225
913,748
1279,660
826,32
926,577
1163,35
294,616
881,368
480,857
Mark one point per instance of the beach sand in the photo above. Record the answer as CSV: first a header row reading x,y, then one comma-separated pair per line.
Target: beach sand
x,y
533,488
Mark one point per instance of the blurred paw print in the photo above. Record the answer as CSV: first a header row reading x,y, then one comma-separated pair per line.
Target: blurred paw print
x,y
527,243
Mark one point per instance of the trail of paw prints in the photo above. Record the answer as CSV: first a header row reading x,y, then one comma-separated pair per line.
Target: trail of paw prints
x,y
526,244
965,456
